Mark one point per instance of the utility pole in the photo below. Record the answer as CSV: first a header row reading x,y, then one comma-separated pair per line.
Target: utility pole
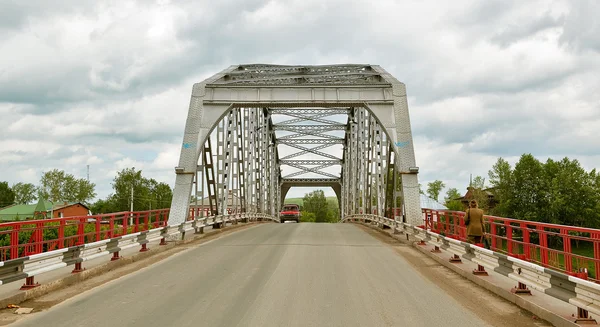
x,y
131,207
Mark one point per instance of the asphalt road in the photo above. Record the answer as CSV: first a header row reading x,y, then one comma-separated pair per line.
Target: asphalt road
x,y
269,275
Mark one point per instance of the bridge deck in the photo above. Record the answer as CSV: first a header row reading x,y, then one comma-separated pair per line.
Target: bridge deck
x,y
275,275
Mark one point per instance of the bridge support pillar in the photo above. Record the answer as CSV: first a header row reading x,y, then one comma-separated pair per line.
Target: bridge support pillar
x,y
29,284
436,249
421,242
115,256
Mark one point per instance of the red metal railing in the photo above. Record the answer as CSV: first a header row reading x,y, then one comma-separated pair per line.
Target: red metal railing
x,y
573,250
23,238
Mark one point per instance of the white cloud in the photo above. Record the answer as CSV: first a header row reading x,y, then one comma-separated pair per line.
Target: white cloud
x,y
107,84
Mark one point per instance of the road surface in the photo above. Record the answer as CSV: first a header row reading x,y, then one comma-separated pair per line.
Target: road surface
x,y
269,275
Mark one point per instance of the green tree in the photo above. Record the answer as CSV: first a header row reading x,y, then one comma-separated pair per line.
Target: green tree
x,y
25,193
160,194
7,196
530,196
434,188
450,200
316,203
56,185
104,206
333,210
122,185
572,198
501,180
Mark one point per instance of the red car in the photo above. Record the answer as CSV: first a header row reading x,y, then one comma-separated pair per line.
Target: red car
x,y
290,212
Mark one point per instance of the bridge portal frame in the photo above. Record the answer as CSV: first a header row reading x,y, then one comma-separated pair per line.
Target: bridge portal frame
x,y
273,86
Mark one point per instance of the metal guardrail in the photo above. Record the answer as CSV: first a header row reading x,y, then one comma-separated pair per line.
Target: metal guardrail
x,y
549,245
29,266
584,294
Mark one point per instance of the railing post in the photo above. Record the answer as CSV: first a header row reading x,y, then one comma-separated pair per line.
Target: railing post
x,y
61,234
596,238
543,245
526,246
144,248
39,237
521,288
509,238
98,228
78,268
455,259
583,316
81,231
494,233
14,242
29,284
567,249
125,223
480,271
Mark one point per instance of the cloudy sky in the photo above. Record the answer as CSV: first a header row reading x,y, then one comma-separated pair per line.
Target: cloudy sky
x,y
108,83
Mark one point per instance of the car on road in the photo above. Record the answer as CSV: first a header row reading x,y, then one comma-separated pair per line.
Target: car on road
x,y
290,212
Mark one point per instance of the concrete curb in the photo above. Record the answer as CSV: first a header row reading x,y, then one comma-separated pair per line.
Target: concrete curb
x,y
521,302
72,279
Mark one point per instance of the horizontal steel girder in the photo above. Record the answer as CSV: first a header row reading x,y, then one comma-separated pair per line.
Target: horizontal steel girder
x,y
311,180
309,128
303,111
310,162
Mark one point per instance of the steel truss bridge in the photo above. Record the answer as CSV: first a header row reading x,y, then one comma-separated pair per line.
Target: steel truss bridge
x,y
255,131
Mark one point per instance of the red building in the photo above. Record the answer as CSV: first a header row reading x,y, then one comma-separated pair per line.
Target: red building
x,y
70,210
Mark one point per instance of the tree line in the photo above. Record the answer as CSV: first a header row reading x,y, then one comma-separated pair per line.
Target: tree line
x,y
558,192
55,186
58,186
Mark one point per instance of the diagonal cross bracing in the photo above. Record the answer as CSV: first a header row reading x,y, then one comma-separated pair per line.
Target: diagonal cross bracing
x,y
329,141
314,150
315,170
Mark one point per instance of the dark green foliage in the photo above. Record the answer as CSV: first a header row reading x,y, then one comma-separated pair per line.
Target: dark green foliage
x,y
57,186
25,193
147,194
434,188
558,192
7,196
316,203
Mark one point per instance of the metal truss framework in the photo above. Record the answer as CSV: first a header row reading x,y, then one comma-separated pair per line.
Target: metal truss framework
x,y
250,123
